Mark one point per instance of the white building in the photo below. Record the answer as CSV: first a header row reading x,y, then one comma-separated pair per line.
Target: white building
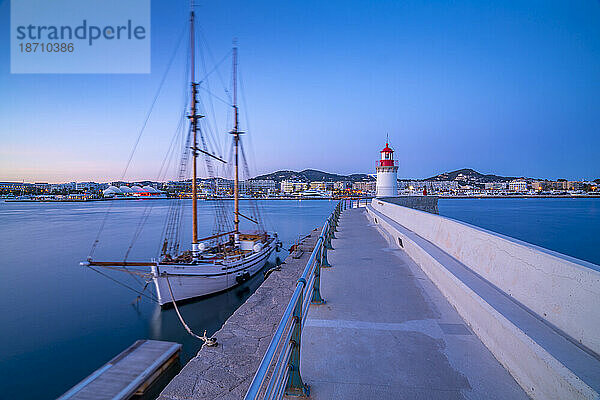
x,y
496,186
517,186
293,186
323,186
364,186
342,185
266,186
87,186
387,174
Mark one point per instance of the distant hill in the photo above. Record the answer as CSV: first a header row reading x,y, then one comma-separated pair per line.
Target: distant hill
x,y
465,176
469,175
312,175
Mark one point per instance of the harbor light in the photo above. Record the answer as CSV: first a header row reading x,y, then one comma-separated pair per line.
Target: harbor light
x,y
387,173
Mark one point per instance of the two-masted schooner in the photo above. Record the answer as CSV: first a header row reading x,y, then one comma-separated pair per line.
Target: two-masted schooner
x,y
222,260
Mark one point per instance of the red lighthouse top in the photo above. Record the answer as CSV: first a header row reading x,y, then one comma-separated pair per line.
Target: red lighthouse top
x,y
387,156
387,149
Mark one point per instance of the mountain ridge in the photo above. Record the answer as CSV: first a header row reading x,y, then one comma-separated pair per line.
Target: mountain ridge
x,y
471,176
466,175
313,175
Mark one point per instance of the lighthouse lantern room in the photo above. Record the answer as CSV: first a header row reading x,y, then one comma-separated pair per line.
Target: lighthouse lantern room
x,y
387,174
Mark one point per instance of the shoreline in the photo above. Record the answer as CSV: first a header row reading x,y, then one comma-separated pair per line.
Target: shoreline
x,y
309,198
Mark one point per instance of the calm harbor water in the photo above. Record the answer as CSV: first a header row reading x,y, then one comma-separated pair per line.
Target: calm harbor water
x,y
569,226
61,321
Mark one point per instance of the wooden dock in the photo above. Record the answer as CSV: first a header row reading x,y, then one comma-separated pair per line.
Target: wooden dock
x,y
128,374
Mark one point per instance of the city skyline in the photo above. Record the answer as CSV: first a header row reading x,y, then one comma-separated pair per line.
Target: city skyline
x,y
371,174
504,88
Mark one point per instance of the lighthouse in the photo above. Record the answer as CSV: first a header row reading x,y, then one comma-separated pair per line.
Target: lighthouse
x,y
387,174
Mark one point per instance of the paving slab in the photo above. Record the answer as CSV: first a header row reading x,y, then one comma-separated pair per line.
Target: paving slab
x,y
386,332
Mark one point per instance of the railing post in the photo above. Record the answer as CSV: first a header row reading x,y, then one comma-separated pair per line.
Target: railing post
x,y
334,222
295,386
323,258
331,231
316,294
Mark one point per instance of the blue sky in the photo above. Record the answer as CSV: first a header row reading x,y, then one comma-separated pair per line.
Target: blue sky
x,y
508,87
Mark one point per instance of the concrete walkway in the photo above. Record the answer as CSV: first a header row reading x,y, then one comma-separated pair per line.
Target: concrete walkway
x,y
386,332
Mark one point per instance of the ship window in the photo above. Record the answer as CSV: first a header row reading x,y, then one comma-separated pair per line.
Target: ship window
x,y
400,242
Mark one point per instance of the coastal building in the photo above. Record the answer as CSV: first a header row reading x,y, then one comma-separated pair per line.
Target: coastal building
x,y
6,187
517,186
89,186
119,183
443,186
42,186
559,185
323,186
575,185
223,186
412,185
342,185
178,186
538,186
432,187
495,186
264,186
367,187
112,191
63,187
293,186
387,174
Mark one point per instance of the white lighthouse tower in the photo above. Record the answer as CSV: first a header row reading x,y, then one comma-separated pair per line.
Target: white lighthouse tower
x,y
387,174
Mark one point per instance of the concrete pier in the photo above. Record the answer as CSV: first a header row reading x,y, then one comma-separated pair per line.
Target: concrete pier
x,y
418,306
225,372
387,332
533,308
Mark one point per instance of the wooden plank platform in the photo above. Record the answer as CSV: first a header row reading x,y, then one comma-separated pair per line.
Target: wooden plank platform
x,y
129,373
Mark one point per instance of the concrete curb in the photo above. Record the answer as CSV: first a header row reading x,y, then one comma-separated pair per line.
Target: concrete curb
x,y
540,374
566,289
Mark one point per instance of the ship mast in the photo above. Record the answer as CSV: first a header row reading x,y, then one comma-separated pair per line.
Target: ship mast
x,y
194,117
236,139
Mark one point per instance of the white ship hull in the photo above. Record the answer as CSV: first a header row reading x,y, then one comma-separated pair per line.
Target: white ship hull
x,y
190,281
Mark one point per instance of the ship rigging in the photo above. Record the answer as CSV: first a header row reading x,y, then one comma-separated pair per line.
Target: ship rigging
x,y
227,257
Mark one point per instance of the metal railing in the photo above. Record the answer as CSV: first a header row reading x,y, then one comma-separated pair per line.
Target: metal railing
x,y
357,202
279,370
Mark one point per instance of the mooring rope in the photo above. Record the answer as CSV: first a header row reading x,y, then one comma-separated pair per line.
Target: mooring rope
x,y
207,341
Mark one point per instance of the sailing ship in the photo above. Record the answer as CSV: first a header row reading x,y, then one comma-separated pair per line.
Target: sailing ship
x,y
218,262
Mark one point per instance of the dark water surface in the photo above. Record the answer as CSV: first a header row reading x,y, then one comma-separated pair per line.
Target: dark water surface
x,y
569,226
61,321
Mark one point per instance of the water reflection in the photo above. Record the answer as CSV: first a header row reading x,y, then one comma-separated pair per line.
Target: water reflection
x,y
56,313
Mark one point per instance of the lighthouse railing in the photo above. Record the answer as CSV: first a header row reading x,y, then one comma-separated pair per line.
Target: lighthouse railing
x,y
386,163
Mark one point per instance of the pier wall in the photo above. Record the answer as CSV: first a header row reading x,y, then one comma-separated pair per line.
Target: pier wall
x,y
533,308
423,203
561,289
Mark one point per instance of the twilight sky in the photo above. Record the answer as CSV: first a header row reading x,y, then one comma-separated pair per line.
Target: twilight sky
x,y
510,87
